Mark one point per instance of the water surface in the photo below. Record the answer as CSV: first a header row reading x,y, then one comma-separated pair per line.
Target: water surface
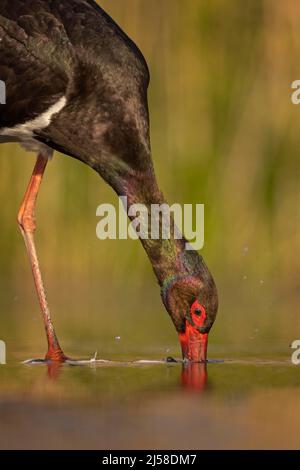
x,y
234,404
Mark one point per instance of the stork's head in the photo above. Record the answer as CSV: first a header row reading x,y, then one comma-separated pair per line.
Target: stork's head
x,y
192,303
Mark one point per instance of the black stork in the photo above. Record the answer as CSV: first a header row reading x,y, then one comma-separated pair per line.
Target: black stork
x,y
76,83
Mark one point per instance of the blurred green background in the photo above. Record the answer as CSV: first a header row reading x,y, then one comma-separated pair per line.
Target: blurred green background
x,y
224,133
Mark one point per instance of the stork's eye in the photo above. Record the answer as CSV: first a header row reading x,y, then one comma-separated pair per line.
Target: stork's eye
x,y
198,312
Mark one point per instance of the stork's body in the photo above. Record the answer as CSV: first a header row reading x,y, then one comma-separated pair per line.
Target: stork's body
x,y
76,83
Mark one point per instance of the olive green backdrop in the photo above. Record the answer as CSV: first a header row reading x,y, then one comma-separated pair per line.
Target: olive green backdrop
x,y
224,133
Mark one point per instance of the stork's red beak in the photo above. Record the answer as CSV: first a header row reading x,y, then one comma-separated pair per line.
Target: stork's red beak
x,y
194,343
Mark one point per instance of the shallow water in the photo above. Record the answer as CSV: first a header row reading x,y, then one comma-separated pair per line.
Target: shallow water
x,y
250,400
233,404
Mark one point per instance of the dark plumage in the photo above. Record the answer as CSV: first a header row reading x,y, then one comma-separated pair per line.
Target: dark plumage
x,y
51,51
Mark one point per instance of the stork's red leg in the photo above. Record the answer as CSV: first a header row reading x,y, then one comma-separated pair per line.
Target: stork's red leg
x,y
27,223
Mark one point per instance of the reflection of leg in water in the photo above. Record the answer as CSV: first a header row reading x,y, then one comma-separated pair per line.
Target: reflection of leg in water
x,y
54,369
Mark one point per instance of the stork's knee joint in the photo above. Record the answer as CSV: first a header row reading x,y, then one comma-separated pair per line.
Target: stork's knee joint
x,y
27,222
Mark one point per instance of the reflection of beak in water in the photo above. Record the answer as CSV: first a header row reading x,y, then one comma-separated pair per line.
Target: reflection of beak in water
x,y
53,369
194,376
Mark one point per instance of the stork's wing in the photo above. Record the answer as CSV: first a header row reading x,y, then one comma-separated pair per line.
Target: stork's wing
x,y
34,51
40,44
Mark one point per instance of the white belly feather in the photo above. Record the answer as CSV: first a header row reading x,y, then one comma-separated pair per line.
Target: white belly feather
x,y
24,133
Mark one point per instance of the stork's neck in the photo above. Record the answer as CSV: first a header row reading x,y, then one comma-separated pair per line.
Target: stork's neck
x,y
169,257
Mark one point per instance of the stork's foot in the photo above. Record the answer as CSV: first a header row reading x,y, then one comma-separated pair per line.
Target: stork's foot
x,y
54,356
65,360
58,357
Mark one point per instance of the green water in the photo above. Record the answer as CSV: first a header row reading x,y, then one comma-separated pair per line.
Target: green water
x,y
250,400
224,133
243,404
